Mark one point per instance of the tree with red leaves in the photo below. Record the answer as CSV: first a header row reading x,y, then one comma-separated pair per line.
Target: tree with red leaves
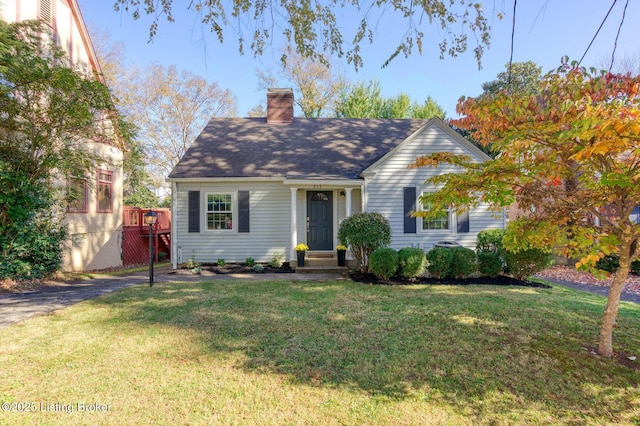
x,y
569,158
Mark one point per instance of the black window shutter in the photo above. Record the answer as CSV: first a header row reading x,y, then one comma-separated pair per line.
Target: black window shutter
x,y
194,211
243,211
463,221
409,206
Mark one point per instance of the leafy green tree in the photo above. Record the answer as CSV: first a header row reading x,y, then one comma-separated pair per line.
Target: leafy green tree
x,y
430,108
136,183
570,159
524,78
364,100
315,28
51,116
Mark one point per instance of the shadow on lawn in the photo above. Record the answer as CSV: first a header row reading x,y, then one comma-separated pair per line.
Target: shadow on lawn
x,y
474,347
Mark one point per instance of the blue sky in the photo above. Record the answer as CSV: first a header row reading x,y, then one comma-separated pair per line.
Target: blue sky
x,y
546,30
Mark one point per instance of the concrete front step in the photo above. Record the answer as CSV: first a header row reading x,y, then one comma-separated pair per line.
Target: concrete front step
x,y
321,261
307,269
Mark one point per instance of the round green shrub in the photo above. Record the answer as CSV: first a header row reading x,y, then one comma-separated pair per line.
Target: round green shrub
x,y
364,233
413,262
464,262
383,263
490,240
525,263
611,263
490,263
439,259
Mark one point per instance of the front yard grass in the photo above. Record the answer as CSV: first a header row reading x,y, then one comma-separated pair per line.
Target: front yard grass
x,y
322,353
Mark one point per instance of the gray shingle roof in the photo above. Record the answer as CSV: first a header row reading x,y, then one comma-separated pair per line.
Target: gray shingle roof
x,y
309,148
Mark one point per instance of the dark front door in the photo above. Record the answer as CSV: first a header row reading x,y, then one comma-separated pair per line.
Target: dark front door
x,y
319,220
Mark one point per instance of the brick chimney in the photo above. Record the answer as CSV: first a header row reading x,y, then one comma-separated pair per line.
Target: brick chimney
x,y
279,106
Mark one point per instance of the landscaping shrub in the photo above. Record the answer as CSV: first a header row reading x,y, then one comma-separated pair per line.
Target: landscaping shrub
x,y
277,260
31,233
525,263
464,262
412,262
439,259
250,262
611,263
490,263
383,263
490,240
364,233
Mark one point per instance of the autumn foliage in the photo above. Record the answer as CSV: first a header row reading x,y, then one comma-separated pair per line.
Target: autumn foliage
x,y
569,159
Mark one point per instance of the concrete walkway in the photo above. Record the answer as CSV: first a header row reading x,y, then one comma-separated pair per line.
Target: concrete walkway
x,y
19,307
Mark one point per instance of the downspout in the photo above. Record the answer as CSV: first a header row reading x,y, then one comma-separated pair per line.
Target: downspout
x,y
174,218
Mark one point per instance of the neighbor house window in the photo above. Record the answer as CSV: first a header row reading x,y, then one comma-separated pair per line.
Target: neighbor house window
x,y
105,191
77,195
442,221
219,211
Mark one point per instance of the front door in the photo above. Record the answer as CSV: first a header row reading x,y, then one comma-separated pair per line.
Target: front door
x,y
319,220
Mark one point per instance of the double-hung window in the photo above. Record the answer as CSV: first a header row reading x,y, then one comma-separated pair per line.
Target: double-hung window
x,y
441,222
105,191
77,195
219,211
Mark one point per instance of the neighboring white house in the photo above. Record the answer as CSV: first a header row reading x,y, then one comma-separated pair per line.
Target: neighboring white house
x,y
254,187
95,220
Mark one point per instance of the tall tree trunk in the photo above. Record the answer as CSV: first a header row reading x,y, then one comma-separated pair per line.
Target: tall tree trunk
x,y
605,347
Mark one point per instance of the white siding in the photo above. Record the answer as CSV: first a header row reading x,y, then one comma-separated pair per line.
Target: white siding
x,y
270,222
385,192
270,218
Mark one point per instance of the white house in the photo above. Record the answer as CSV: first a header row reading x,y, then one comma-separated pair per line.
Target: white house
x,y
254,187
95,220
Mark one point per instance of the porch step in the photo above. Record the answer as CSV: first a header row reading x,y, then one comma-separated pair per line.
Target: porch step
x,y
320,261
307,269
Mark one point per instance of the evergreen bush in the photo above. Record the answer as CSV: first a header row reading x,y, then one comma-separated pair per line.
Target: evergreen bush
x,y
464,262
525,263
439,259
383,262
490,263
412,262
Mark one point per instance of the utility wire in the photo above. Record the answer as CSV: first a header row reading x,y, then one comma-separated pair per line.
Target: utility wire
x,y
615,44
513,31
596,34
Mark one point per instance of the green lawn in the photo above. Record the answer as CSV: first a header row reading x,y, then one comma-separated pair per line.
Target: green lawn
x,y
321,353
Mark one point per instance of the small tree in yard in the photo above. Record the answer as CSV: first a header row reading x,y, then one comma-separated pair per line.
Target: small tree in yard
x,y
569,154
364,233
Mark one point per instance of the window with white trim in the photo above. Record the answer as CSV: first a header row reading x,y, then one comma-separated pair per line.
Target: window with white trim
x,y
219,211
441,222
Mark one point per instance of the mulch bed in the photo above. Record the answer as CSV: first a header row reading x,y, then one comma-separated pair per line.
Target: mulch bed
x,y
239,268
499,280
